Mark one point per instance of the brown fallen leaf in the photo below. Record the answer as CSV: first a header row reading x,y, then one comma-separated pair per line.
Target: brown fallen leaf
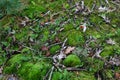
x,y
44,48
69,50
57,39
117,75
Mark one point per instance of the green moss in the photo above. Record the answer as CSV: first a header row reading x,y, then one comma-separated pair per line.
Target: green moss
x,y
15,62
118,32
45,35
53,49
31,71
5,21
37,71
94,65
27,70
95,19
83,76
108,50
108,74
26,67
57,76
21,35
68,27
72,60
75,38
94,33
92,44
64,75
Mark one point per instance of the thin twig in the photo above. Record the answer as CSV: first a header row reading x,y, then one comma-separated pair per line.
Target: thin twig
x,y
64,43
51,73
45,78
74,69
54,44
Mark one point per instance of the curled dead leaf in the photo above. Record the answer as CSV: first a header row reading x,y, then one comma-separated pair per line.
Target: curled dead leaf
x,y
69,50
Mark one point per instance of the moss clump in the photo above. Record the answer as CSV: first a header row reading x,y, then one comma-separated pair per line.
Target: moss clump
x,y
72,60
27,70
108,50
57,76
83,76
75,38
94,33
30,71
14,63
53,49
64,75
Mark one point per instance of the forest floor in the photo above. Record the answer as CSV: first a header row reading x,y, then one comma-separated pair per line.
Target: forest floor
x,y
61,40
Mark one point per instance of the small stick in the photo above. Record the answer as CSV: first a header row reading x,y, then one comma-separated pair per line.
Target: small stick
x,y
54,44
75,69
64,42
45,78
51,73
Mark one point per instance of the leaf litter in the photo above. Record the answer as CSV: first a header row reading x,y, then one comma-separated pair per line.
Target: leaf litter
x,y
67,49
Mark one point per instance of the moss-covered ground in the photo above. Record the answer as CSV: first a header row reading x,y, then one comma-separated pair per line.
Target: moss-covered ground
x,y
40,30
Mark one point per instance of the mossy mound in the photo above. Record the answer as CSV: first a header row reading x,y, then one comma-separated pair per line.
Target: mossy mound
x,y
53,49
72,60
75,37
64,75
15,62
26,68
107,51
30,71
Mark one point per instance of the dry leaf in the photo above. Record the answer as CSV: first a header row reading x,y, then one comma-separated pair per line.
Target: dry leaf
x,y
97,53
102,9
115,60
44,48
69,49
25,21
110,41
117,75
57,39
61,56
